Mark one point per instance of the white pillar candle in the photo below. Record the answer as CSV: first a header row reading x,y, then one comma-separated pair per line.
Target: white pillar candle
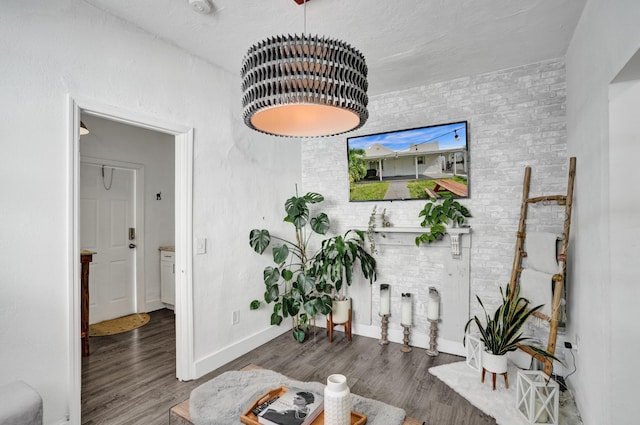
x,y
407,310
433,305
385,299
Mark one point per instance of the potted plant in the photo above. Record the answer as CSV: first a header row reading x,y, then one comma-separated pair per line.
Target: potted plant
x,y
376,220
301,285
437,216
502,332
333,267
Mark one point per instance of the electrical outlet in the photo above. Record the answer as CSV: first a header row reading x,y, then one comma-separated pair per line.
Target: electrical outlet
x,y
235,317
571,346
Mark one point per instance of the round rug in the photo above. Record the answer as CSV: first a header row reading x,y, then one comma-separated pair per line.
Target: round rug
x,y
119,325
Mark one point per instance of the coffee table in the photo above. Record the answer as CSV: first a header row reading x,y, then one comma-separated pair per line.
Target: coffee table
x,y
179,414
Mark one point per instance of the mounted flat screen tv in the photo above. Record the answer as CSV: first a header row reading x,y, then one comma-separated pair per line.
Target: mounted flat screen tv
x,y
418,163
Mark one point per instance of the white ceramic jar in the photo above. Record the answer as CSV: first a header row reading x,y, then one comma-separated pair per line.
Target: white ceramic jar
x,y
337,401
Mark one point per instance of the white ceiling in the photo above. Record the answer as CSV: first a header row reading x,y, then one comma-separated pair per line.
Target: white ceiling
x,y
406,43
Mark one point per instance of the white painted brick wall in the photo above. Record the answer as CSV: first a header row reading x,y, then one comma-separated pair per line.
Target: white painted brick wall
x,y
516,118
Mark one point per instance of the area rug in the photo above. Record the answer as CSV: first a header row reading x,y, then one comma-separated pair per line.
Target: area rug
x,y
222,400
499,404
119,325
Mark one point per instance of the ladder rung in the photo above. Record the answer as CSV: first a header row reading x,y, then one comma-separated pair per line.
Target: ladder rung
x,y
542,316
536,355
561,199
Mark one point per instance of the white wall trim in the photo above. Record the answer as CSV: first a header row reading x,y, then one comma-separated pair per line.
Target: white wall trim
x,y
185,367
232,352
184,236
141,282
73,195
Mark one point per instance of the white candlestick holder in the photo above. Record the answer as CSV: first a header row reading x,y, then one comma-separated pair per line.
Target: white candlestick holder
x,y
433,335
384,326
405,341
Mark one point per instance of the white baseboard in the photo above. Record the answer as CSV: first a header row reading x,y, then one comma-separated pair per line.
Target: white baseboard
x,y
232,352
154,305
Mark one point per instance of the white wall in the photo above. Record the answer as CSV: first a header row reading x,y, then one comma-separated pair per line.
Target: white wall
x,y
155,151
516,118
240,177
624,149
603,301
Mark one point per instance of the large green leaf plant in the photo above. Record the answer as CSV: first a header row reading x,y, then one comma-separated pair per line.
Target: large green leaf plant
x,y
301,285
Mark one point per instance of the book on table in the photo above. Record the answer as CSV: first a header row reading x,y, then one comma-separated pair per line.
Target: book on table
x,y
294,407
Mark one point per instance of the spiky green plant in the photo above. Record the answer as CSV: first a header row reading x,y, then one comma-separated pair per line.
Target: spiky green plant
x,y
502,332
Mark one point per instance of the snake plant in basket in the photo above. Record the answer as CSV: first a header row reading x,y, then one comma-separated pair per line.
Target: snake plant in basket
x,y
502,332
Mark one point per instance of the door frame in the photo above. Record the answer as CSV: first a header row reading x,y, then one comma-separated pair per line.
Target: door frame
x,y
138,207
185,362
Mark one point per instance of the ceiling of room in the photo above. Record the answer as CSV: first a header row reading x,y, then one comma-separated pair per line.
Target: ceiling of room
x,y
406,43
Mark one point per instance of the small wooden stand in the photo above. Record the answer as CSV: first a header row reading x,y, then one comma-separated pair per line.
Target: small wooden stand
x,y
85,258
433,335
505,374
384,326
405,346
330,325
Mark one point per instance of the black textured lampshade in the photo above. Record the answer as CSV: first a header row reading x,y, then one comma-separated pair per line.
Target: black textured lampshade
x,y
304,86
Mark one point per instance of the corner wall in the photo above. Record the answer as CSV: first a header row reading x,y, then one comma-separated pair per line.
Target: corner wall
x,y
606,37
516,118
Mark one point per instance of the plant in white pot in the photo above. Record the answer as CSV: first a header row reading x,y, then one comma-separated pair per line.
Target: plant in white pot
x,y
333,267
502,332
301,284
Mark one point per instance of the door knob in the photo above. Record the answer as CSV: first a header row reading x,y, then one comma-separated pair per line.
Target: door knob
x,y
132,245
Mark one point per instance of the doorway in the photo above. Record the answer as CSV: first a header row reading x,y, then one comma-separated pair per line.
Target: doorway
x,y
183,183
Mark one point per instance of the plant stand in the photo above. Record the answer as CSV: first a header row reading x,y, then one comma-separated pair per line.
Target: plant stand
x,y
493,378
433,335
330,325
383,328
405,347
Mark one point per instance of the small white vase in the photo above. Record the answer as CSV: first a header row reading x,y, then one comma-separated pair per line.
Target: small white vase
x,y
493,363
340,310
337,401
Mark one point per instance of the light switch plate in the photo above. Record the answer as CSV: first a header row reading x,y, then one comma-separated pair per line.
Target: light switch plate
x,y
201,245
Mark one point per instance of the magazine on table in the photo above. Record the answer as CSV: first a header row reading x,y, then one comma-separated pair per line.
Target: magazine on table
x,y
294,407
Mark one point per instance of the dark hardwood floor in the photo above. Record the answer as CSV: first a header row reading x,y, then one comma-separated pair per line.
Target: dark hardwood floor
x,y
130,378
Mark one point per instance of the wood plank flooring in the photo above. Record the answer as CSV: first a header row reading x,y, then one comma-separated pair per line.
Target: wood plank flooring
x,y
129,379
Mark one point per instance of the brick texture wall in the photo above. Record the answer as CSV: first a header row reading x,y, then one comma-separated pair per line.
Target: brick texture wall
x,y
516,118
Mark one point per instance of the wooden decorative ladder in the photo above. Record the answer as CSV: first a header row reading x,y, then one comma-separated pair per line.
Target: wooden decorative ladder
x,y
558,278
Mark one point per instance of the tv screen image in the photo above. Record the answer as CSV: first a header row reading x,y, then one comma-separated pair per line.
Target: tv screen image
x,y
418,163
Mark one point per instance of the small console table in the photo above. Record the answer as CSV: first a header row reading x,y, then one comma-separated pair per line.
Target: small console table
x,y
85,258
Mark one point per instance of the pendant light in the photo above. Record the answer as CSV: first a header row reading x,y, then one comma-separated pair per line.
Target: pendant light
x,y
304,86
83,129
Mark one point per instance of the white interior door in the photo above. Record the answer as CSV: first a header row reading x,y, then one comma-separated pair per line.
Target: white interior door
x,y
107,212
